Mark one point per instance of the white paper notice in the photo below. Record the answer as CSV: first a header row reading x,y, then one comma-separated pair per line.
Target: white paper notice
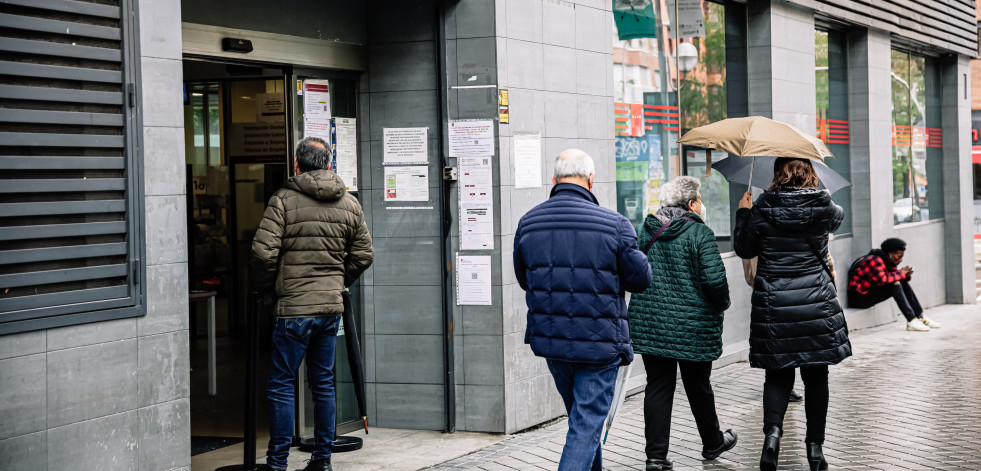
x,y
346,151
691,20
316,100
407,183
473,280
471,138
406,145
270,108
476,204
527,161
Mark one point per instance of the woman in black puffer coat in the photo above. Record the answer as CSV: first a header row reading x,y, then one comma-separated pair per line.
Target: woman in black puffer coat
x,y
796,320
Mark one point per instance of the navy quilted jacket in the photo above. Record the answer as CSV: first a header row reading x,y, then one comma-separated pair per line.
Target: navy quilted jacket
x,y
680,315
575,260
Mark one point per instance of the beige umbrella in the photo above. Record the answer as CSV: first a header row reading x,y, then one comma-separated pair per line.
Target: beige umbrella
x,y
757,136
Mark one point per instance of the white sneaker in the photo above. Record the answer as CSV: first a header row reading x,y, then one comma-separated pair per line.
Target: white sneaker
x,y
917,325
930,323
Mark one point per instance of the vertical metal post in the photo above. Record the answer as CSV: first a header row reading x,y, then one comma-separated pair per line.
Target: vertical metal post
x,y
446,219
252,339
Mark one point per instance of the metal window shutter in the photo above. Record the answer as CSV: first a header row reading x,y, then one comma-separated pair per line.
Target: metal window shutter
x,y
69,242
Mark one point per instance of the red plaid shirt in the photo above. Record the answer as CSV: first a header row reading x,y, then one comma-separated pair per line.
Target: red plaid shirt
x,y
873,272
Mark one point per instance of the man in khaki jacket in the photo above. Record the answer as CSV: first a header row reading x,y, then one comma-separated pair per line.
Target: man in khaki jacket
x,y
311,245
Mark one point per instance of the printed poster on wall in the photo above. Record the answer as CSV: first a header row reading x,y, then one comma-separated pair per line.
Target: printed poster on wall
x,y
527,160
316,109
346,151
476,203
471,138
270,108
473,280
691,19
407,183
405,145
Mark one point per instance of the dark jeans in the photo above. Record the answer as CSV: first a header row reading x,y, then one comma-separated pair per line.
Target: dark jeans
x,y
902,293
587,391
659,397
292,339
776,392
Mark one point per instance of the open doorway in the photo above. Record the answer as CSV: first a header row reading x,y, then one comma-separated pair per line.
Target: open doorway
x,y
240,125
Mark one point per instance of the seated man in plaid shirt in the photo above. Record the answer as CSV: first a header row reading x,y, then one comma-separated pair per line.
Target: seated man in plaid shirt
x,y
874,278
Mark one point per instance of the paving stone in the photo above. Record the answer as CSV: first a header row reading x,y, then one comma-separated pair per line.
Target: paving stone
x,y
905,400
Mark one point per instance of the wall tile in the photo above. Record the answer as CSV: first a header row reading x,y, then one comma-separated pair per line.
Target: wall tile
x,y
484,408
410,359
164,368
560,68
408,310
525,64
91,334
559,28
106,443
519,361
594,76
561,115
402,110
25,453
475,19
484,320
414,406
167,300
524,20
529,402
22,398
476,57
166,236
408,261
165,435
163,161
591,29
595,117
484,360
160,28
527,111
477,103
402,66
402,222
91,381
24,343
515,309
162,102
403,21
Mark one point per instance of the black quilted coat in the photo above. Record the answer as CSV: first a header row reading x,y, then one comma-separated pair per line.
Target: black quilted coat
x,y
796,319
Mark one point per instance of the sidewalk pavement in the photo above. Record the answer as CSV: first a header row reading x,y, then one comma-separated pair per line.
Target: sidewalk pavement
x,y
904,400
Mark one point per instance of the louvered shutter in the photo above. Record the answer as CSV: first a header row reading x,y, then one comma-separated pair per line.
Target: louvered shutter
x,y
70,190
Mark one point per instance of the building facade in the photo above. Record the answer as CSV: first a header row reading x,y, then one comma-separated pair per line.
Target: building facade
x,y
142,138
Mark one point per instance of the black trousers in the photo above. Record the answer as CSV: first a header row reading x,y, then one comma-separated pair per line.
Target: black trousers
x,y
659,397
776,392
901,293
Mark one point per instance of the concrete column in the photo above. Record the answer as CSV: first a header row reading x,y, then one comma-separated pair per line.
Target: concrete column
x,y
958,191
781,63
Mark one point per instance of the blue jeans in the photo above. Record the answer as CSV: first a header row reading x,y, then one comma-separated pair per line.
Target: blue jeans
x,y
587,391
292,339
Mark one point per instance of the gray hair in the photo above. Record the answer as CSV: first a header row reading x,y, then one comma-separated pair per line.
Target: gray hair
x,y
311,156
679,191
573,163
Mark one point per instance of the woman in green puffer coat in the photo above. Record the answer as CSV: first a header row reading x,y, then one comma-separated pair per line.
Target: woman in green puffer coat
x,y
677,322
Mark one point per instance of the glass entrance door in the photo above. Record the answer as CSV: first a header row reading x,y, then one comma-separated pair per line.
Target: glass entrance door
x,y
325,106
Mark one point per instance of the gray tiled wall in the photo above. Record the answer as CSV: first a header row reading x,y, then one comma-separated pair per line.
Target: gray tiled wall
x,y
114,395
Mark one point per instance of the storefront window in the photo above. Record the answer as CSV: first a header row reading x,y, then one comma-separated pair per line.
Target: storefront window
x,y
831,74
917,139
647,90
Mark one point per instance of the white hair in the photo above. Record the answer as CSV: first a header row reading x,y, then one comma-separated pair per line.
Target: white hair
x,y
679,191
573,163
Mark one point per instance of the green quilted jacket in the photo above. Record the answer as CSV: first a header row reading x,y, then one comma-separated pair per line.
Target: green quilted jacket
x,y
680,314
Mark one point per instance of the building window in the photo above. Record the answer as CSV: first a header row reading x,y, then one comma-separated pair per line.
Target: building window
x,y
917,139
831,79
648,119
71,212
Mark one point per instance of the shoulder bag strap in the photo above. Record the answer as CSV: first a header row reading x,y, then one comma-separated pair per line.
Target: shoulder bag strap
x,y
810,243
654,236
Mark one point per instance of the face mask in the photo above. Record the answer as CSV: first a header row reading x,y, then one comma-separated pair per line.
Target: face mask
x,y
703,212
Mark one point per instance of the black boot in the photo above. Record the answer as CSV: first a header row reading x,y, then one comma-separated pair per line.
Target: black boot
x,y
319,465
815,457
771,449
659,465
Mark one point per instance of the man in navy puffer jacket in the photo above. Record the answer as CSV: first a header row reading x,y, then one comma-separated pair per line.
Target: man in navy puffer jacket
x,y
575,260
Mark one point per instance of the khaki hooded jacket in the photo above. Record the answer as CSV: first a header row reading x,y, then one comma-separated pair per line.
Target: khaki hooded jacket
x,y
312,243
